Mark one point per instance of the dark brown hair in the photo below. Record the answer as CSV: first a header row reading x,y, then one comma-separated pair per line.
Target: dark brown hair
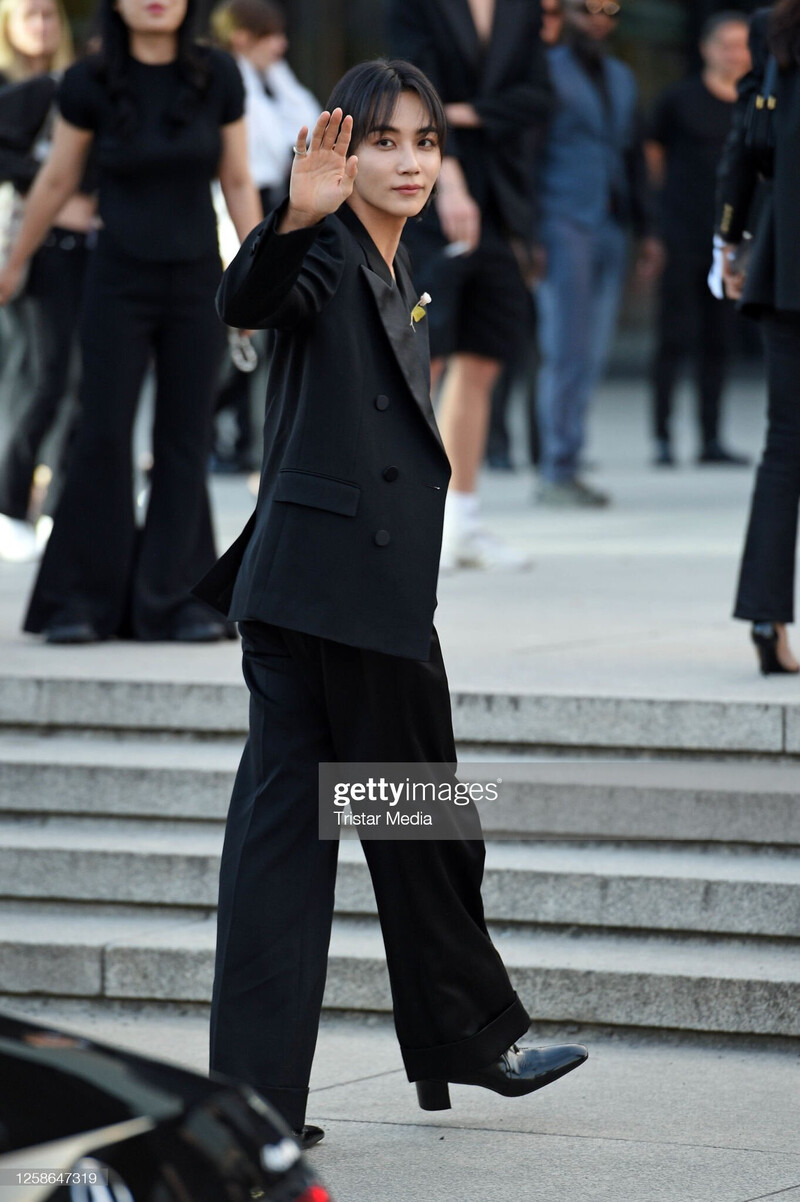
x,y
370,91
784,32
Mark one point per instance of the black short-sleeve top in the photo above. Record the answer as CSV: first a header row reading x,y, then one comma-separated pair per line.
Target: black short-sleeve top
x,y
154,187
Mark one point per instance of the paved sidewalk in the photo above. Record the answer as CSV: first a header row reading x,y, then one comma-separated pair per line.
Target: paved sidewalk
x,y
641,1121
633,601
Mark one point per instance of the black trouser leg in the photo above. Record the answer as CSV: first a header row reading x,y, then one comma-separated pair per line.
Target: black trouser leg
x,y
675,335
85,571
454,1005
177,543
276,886
54,293
716,319
766,582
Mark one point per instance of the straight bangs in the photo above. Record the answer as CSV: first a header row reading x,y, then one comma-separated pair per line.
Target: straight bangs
x,y
369,94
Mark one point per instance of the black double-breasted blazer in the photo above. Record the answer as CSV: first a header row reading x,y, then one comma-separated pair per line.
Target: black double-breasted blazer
x,y
346,536
769,209
507,83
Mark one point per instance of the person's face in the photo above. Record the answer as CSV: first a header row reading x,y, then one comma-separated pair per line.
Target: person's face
x,y
152,16
727,52
595,18
398,165
552,21
34,28
268,50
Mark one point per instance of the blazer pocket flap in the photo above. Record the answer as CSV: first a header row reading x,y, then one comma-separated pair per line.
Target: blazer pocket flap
x,y
320,492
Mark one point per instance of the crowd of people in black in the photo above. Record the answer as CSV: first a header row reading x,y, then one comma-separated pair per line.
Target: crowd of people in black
x,y
110,235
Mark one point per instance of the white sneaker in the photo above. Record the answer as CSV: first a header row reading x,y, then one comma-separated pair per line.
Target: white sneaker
x,y
17,540
477,547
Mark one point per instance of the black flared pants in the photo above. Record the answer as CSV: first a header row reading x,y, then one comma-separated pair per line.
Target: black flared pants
x,y
97,567
313,700
766,580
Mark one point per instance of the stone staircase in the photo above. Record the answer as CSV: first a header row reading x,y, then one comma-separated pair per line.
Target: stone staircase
x,y
644,874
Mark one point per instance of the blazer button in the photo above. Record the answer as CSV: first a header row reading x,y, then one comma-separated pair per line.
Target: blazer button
x,y
381,402
390,474
382,538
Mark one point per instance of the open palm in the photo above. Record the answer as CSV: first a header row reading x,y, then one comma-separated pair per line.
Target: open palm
x,y
323,175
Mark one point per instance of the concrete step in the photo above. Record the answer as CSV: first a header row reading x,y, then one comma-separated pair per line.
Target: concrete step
x,y
519,719
659,799
698,985
584,885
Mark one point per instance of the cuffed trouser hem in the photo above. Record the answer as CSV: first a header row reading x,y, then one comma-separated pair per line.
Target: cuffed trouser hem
x,y
448,1060
289,1103
749,613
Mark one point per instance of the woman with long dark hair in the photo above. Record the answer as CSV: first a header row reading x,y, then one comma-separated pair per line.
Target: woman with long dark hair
x,y
164,117
768,287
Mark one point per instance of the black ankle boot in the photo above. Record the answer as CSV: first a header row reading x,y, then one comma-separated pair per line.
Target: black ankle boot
x,y
518,1071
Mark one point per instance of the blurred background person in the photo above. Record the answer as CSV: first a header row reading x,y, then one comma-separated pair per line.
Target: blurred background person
x,y
276,103
522,373
768,287
487,62
165,116
592,189
687,133
34,385
276,106
34,38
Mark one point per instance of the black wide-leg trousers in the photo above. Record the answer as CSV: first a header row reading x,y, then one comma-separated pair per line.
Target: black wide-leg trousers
x,y
97,567
313,700
766,580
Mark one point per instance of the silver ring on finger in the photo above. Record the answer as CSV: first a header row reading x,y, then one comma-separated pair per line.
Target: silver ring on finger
x,y
299,153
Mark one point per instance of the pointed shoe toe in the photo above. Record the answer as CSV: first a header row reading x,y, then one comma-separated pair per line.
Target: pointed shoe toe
x,y
518,1071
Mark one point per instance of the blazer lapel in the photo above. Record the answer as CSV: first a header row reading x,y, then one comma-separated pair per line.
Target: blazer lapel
x,y
395,315
395,302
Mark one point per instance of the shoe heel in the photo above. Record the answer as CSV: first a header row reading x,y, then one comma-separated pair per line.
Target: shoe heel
x,y
433,1095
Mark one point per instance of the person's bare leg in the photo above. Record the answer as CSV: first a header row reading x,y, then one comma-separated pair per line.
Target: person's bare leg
x,y
464,410
437,371
783,651
464,415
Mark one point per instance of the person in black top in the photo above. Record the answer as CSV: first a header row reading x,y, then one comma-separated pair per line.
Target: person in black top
x,y
163,116
767,286
689,125
33,399
487,61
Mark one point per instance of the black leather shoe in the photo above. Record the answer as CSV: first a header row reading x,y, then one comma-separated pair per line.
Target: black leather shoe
x,y
520,1070
309,1136
714,452
71,632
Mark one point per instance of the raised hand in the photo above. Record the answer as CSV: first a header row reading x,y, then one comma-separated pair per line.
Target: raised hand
x,y
322,175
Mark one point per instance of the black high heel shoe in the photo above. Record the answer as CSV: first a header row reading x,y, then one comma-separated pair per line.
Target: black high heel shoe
x,y
765,638
520,1070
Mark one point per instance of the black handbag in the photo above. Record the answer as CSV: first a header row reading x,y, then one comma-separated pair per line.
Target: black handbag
x,y
759,122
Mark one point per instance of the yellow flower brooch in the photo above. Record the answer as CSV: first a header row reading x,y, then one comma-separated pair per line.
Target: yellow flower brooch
x,y
418,312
